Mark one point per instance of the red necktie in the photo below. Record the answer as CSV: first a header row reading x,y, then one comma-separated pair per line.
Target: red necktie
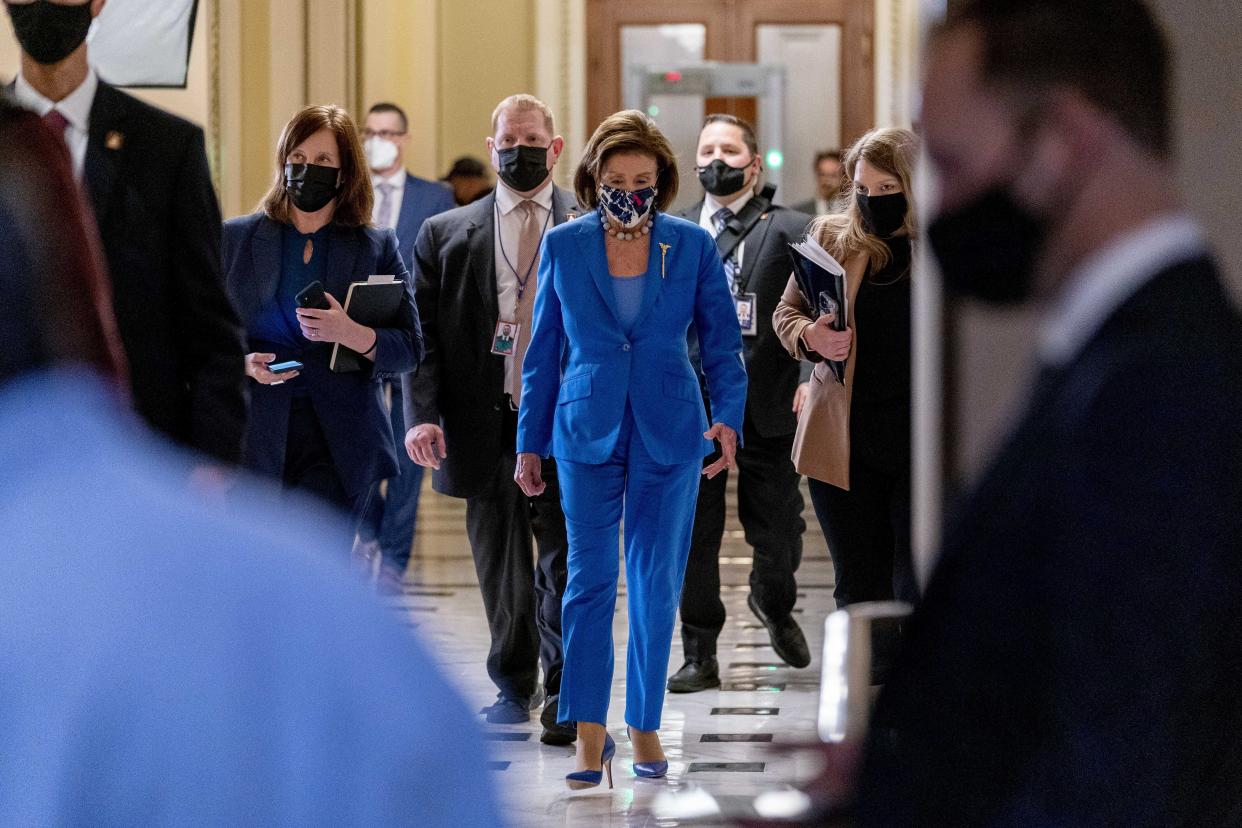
x,y
57,123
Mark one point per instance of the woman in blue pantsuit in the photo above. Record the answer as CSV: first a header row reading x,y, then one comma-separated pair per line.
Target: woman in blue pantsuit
x,y
609,391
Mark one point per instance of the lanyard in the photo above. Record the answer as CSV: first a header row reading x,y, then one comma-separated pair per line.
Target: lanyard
x,y
521,280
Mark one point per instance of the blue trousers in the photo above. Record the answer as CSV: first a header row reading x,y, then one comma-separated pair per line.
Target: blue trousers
x,y
390,519
658,505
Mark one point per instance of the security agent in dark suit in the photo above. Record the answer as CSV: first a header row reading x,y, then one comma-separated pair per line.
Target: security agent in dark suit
x,y
1075,657
403,202
756,233
147,177
462,404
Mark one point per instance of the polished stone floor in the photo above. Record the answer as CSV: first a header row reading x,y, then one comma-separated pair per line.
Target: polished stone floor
x,y
724,746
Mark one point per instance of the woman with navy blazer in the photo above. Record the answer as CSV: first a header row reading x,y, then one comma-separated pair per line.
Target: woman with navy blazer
x,y
609,391
318,431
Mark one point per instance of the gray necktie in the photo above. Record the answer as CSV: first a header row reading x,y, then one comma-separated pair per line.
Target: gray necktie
x,y
385,206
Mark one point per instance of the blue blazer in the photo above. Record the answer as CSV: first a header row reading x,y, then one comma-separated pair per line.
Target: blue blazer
x,y
350,406
422,200
581,368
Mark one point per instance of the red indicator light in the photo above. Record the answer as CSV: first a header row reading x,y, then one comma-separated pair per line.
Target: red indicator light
x,y
672,77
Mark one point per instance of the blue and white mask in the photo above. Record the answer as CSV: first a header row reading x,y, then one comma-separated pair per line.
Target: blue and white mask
x,y
628,209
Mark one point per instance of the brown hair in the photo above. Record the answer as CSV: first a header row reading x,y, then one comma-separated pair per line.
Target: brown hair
x,y
629,131
747,130
825,155
525,103
1111,51
355,198
843,234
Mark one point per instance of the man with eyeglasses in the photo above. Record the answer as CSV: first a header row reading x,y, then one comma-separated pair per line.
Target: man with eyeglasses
x,y
403,202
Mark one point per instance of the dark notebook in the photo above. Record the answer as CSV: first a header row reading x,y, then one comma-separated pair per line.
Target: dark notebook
x,y
373,303
822,280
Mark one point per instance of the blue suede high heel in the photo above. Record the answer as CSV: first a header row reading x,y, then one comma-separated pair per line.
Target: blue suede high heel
x,y
579,780
649,770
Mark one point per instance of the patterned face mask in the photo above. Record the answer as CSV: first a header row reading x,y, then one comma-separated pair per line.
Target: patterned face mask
x,y
627,208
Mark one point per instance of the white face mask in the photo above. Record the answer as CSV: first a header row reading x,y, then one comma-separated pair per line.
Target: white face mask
x,y
380,153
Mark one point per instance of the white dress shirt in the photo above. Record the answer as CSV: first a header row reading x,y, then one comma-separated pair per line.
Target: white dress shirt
x,y
711,206
397,180
508,231
1106,280
76,107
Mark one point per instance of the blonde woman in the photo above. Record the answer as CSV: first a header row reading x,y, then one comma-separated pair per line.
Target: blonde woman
x,y
853,438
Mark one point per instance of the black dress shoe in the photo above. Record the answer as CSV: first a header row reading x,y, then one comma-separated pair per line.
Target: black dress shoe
x,y
695,676
554,732
507,711
786,635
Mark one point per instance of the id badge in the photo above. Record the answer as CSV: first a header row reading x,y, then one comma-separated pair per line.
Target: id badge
x,y
747,305
504,342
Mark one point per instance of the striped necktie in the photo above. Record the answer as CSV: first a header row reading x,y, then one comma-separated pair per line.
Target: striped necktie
x,y
719,219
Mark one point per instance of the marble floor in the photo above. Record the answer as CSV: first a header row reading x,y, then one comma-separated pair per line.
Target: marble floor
x,y
724,746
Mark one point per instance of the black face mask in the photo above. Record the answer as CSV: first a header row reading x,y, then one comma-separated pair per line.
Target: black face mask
x,y
719,179
523,168
50,32
883,215
987,249
311,186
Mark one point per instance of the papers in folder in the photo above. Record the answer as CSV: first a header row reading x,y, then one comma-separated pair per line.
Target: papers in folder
x,y
373,303
822,280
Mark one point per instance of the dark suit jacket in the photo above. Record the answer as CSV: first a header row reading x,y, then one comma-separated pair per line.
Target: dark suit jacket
x,y
461,383
773,373
350,405
1076,657
147,175
422,200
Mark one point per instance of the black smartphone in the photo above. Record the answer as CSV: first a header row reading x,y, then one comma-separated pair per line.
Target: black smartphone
x,y
285,367
312,297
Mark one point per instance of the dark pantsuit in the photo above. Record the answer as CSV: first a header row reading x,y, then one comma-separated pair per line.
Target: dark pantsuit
x,y
770,509
868,527
521,593
309,467
389,520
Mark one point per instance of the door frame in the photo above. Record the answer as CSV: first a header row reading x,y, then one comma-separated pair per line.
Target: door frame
x,y
737,43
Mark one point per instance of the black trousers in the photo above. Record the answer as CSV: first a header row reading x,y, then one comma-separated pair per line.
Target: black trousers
x,y
522,591
868,527
309,468
769,506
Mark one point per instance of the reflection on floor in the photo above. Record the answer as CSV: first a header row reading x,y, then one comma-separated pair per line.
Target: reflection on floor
x,y
725,742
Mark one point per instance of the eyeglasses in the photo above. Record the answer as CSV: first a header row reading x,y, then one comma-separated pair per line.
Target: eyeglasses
x,y
386,134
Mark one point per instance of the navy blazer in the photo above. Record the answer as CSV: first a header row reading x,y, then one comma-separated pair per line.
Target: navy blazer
x,y
581,367
422,200
350,406
1075,658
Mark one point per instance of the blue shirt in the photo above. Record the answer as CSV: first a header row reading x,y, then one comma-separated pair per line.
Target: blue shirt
x,y
629,293
277,321
165,660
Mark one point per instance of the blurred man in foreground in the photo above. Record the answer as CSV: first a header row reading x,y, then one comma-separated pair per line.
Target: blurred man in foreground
x,y
1075,659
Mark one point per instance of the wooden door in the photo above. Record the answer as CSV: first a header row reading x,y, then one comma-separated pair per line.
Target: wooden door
x,y
731,35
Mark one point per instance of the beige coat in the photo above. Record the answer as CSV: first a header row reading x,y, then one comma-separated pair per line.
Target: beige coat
x,y
822,443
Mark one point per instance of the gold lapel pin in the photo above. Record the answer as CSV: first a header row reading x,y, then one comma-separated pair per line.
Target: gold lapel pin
x,y
114,140
664,248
